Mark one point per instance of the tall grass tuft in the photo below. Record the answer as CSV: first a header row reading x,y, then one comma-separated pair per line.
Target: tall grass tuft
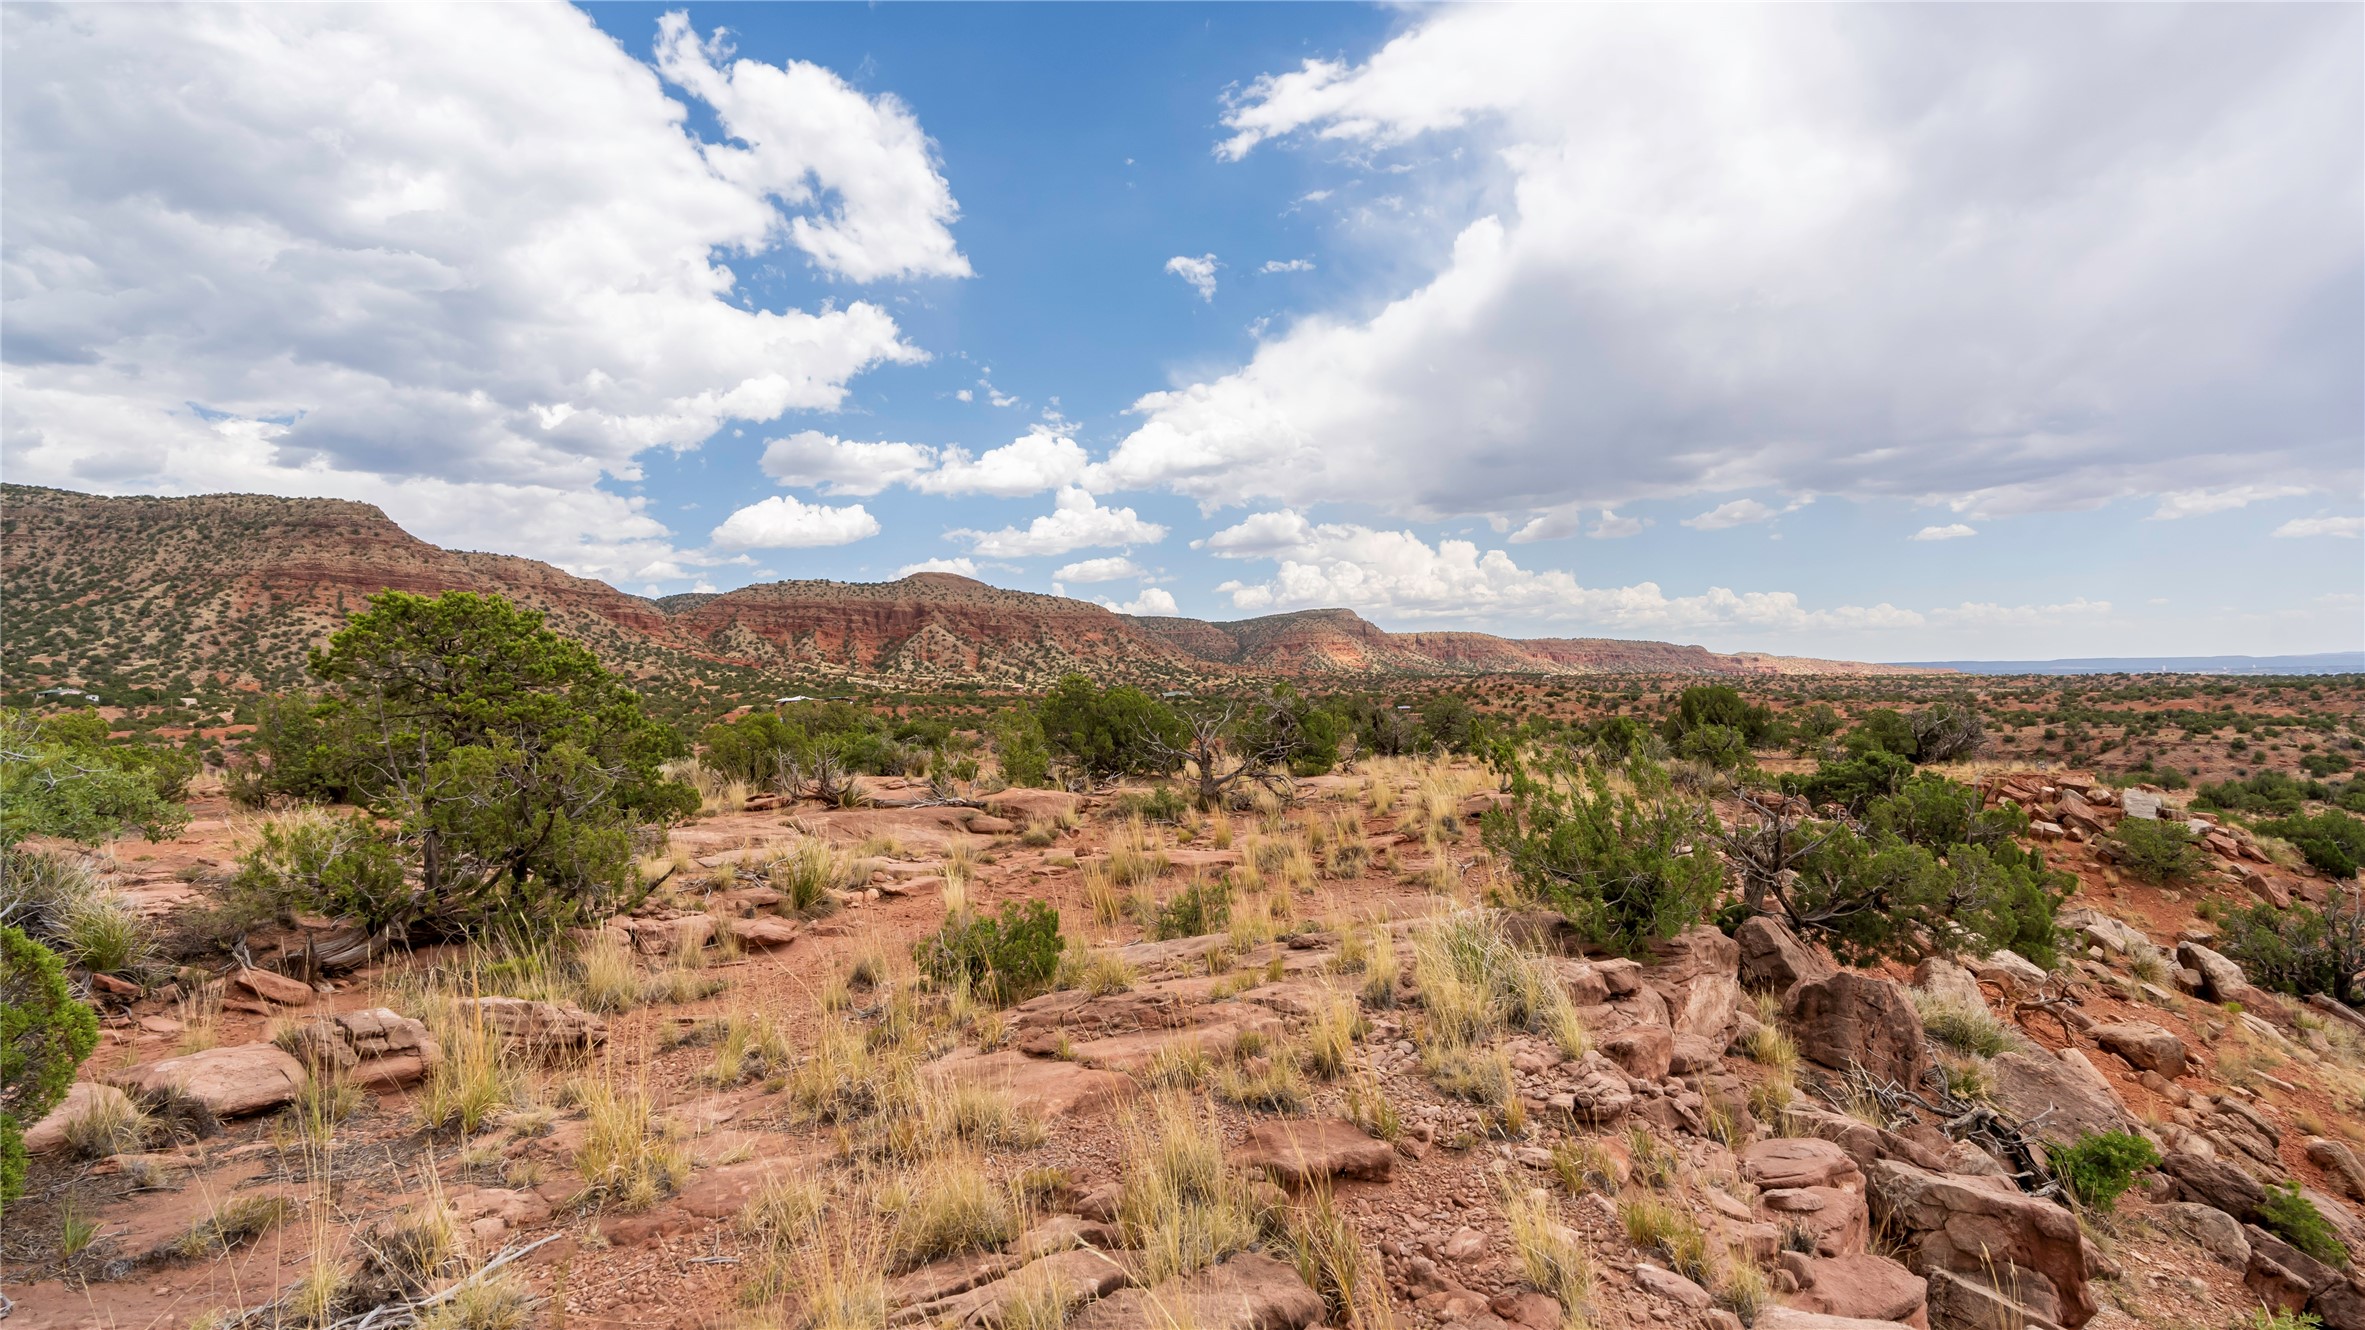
x,y
1550,1253
1335,1264
950,1208
476,1078
630,1158
1180,1206
606,980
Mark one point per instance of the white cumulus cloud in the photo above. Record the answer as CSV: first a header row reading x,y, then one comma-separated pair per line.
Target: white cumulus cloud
x,y
1397,574
1988,614
2001,256
1259,535
799,132
1287,265
811,459
1152,600
1607,525
784,522
1077,521
1113,568
1031,464
966,567
1951,531
1198,272
454,261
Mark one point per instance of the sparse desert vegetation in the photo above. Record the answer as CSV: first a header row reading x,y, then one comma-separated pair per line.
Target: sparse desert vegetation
x,y
831,1001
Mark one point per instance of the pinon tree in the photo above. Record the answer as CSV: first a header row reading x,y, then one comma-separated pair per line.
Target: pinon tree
x,y
509,762
1628,859
1920,870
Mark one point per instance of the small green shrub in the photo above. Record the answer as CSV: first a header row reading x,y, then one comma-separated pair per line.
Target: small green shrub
x,y
1720,746
2158,851
1852,783
44,1035
2295,1219
2300,950
1628,864
1201,908
2333,842
2102,1165
309,861
1008,958
1163,803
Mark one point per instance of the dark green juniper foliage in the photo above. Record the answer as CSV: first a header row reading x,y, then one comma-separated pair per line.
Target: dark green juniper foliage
x,y
2332,841
1853,783
60,776
1020,747
332,864
1006,959
1874,897
512,765
2301,950
44,1035
1201,908
1928,809
2158,851
1106,733
1717,705
1628,869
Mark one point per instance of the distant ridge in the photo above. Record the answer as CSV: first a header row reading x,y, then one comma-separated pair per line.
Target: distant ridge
x,y
237,587
2322,662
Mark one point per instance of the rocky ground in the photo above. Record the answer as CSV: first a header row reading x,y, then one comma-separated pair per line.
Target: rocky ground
x,y
1377,1097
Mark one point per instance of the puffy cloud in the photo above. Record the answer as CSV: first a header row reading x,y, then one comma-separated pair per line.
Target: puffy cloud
x,y
1951,531
814,460
1398,574
2009,257
1198,272
1613,527
784,522
445,259
2348,527
1039,461
1259,535
1740,512
1031,464
1287,265
2202,502
799,132
966,567
1076,522
1152,600
1110,569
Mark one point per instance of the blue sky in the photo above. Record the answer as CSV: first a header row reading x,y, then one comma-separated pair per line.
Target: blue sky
x,y
1885,333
